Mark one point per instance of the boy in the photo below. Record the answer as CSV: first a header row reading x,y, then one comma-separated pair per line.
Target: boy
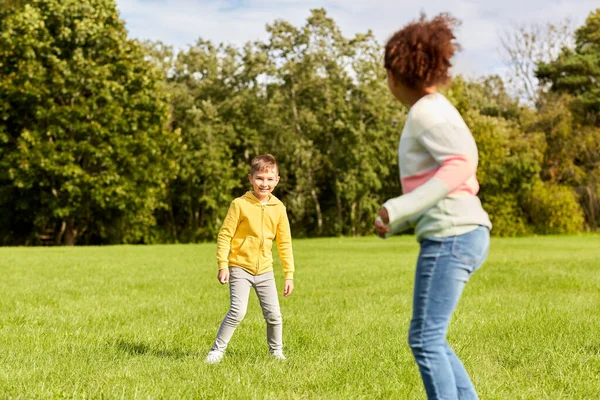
x,y
244,256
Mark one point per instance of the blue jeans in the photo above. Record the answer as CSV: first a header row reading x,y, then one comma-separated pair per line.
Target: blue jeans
x,y
443,268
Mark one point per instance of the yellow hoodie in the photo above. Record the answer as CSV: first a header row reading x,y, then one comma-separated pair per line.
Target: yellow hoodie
x,y
246,237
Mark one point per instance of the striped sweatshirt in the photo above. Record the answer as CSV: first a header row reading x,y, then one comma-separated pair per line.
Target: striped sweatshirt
x,y
438,162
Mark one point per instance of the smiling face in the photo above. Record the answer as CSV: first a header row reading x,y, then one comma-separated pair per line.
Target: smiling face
x,y
263,182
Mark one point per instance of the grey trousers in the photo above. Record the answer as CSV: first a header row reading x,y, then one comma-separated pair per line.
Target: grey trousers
x,y
240,283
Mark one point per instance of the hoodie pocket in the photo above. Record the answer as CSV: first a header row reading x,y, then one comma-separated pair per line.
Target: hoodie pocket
x,y
247,251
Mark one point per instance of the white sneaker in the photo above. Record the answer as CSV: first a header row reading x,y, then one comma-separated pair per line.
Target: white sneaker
x,y
214,357
278,355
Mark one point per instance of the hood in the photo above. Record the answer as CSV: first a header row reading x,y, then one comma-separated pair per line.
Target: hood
x,y
273,201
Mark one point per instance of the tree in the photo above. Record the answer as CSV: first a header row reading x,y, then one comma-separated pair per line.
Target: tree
x,y
293,127
83,130
524,46
570,117
8,4
332,116
577,71
207,84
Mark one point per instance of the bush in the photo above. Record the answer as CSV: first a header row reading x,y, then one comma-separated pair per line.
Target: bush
x,y
508,218
553,209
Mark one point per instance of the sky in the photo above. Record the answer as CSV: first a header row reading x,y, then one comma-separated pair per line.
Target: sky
x,y
181,22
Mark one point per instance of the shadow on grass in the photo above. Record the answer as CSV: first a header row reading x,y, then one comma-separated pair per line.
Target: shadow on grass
x,y
140,349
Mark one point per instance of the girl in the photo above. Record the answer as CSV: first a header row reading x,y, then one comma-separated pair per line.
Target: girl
x,y
438,162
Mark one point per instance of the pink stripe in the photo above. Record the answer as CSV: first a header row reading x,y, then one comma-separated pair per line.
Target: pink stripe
x,y
410,183
469,188
456,172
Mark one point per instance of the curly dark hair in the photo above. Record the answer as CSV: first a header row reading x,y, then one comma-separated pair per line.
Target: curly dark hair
x,y
419,54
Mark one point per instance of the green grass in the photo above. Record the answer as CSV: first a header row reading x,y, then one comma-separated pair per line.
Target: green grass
x,y
137,322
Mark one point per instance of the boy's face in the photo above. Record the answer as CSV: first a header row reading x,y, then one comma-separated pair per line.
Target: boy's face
x,y
263,183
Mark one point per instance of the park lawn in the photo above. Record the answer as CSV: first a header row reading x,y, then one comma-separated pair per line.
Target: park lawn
x,y
137,321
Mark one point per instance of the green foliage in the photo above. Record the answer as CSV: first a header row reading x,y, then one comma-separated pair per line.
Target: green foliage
x,y
570,118
103,140
487,95
577,71
507,214
316,100
509,161
554,209
83,120
213,108
331,116
566,146
572,152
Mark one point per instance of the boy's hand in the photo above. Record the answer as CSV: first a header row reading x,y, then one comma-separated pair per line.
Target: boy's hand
x,y
223,276
288,287
380,223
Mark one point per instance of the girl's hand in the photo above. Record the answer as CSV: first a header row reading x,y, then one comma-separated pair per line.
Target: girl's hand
x,y
384,215
381,228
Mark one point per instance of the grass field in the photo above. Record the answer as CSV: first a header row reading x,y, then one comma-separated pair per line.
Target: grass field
x,y
137,322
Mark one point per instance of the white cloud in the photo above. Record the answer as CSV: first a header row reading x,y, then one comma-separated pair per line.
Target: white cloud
x,y
182,22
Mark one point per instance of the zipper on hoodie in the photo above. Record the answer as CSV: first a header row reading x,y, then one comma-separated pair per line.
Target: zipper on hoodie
x,y
262,235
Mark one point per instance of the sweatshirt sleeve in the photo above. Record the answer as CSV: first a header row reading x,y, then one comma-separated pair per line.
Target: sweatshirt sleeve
x,y
399,226
449,146
226,234
284,245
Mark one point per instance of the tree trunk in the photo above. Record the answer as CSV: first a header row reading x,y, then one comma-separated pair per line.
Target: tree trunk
x,y
59,236
294,105
70,232
315,198
589,203
338,202
172,222
353,218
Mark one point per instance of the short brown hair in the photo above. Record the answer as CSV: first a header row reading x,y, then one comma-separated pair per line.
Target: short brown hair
x,y
418,55
264,162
